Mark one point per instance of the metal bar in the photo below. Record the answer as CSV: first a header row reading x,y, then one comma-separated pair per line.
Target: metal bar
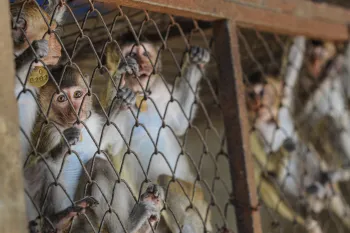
x,y
12,207
299,17
232,100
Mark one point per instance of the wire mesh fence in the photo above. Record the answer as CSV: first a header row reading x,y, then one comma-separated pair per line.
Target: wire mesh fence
x,y
296,92
131,100
122,123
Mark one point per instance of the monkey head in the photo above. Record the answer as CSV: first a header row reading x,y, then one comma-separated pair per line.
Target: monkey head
x,y
29,25
263,97
319,53
145,54
63,106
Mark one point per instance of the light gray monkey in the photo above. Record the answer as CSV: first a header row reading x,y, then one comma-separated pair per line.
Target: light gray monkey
x,y
150,131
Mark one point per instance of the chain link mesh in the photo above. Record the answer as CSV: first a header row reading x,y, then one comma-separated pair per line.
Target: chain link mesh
x,y
89,27
297,92
297,103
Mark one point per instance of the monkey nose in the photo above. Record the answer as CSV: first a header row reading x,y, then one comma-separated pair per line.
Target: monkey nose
x,y
122,82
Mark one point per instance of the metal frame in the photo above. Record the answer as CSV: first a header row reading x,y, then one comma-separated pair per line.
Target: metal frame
x,y
297,17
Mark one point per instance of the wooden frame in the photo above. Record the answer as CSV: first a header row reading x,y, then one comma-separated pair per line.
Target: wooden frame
x,y
297,17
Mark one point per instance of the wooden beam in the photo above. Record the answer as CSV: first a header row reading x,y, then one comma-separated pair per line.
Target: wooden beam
x,y
298,17
12,208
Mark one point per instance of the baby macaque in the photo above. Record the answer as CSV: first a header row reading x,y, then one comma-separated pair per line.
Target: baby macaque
x,y
162,113
31,44
60,163
69,113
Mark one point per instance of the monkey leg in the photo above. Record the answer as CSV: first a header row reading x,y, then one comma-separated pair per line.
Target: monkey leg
x,y
180,212
339,207
272,199
114,198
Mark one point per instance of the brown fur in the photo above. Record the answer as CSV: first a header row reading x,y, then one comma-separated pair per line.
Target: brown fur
x,y
177,197
145,77
36,28
62,116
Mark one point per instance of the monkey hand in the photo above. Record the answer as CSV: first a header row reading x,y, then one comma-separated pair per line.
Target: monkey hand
x,y
41,48
148,209
152,200
199,55
61,221
130,66
72,135
126,96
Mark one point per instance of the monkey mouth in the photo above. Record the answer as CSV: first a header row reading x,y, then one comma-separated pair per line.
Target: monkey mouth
x,y
144,74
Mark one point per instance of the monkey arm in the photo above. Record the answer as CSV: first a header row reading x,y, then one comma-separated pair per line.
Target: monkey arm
x,y
111,61
185,89
329,100
295,61
339,206
50,142
184,92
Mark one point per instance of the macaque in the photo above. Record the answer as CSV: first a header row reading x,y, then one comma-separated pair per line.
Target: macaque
x,y
151,127
69,112
327,103
294,164
61,163
30,28
319,55
116,211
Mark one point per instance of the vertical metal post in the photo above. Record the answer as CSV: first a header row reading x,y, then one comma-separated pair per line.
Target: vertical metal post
x,y
232,100
12,207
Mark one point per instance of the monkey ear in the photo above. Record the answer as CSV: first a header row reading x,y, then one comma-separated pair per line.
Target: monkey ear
x,y
59,13
19,26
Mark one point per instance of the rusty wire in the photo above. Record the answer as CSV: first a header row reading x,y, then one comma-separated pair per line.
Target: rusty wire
x,y
90,35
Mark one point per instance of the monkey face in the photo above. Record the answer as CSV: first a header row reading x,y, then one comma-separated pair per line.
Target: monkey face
x,y
61,111
64,110
145,55
319,55
263,99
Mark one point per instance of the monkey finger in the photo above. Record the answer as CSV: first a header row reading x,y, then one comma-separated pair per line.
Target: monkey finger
x,y
130,97
122,81
41,47
87,202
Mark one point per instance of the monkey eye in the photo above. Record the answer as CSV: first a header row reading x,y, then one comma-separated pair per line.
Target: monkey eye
x,y
133,54
78,94
61,98
145,54
261,92
252,95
